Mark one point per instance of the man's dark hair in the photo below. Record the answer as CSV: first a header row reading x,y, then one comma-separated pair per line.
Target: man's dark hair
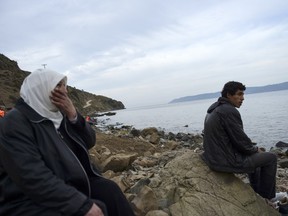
x,y
231,88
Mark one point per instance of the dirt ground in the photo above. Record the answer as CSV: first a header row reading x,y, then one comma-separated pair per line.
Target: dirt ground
x,y
118,144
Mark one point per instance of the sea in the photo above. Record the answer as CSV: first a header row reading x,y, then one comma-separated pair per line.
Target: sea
x,y
264,115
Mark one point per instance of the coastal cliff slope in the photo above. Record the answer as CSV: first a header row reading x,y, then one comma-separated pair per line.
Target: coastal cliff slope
x,y
12,77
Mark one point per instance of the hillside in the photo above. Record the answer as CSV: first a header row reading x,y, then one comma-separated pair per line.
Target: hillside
x,y
249,90
12,77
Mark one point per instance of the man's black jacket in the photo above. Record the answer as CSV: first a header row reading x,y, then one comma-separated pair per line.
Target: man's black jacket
x,y
226,146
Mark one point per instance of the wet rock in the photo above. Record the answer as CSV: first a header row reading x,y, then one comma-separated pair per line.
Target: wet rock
x,y
135,132
283,163
281,144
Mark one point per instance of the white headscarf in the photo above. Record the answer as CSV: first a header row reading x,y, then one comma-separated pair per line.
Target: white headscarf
x,y
36,89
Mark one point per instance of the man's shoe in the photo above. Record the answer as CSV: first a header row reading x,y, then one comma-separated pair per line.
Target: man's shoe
x,y
283,206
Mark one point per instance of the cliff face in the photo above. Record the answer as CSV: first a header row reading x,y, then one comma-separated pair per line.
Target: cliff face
x,y
12,77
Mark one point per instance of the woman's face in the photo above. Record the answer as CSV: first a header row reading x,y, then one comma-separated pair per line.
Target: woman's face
x,y
61,86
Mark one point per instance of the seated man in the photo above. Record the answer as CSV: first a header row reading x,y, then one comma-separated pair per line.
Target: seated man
x,y
228,149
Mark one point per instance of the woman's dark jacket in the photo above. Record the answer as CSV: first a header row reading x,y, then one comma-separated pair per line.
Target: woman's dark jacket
x,y
226,146
39,173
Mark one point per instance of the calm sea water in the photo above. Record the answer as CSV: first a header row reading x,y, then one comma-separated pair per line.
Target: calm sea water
x,y
264,116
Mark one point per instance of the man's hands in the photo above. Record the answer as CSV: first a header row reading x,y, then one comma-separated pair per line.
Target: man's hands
x,y
94,211
60,99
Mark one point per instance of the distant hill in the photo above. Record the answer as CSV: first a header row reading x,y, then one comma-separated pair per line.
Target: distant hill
x,y
12,77
249,90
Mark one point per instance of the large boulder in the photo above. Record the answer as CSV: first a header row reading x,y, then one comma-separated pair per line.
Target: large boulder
x,y
190,188
144,201
118,163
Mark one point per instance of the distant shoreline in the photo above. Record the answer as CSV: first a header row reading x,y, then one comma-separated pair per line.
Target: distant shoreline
x,y
249,90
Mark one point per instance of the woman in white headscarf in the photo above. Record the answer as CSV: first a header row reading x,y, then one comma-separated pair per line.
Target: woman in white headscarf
x,y
36,91
44,163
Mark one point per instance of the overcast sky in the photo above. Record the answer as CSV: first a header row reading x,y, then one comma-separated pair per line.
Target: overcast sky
x,y
146,52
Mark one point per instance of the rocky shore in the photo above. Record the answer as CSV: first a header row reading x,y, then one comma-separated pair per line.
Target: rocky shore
x,y
162,174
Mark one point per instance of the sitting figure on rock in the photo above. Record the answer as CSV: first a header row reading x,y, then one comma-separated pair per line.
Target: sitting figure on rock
x,y
227,148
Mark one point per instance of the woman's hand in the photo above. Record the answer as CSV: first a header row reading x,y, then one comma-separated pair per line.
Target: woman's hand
x,y
59,97
94,211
